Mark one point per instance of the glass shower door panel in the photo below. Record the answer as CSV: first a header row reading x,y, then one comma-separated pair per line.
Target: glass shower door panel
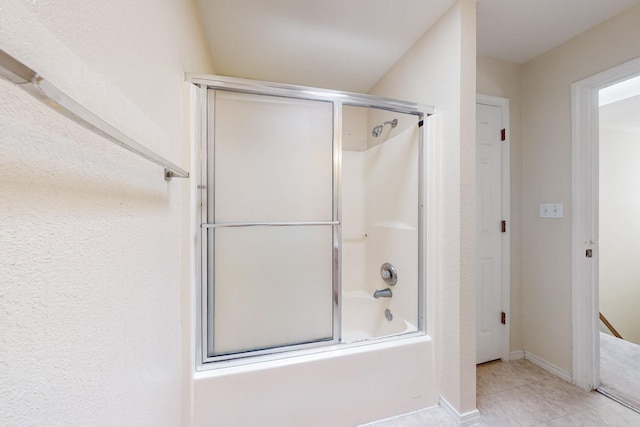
x,y
272,287
273,158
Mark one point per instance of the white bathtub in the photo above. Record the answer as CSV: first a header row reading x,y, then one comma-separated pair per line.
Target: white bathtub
x,y
348,380
363,318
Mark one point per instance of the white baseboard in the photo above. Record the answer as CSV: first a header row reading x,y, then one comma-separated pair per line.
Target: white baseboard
x,y
516,355
559,372
470,418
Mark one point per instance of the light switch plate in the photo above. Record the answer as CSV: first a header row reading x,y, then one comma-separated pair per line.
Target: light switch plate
x,y
551,210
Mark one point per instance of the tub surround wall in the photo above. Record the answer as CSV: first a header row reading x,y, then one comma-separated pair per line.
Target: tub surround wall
x,y
354,212
354,230
380,208
391,186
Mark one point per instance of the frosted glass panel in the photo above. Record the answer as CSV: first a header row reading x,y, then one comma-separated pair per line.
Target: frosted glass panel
x,y
273,158
272,287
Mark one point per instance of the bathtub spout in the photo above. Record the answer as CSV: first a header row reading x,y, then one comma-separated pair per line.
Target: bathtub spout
x,y
385,293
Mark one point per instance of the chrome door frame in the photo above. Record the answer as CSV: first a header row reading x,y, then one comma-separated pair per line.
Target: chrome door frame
x,y
204,163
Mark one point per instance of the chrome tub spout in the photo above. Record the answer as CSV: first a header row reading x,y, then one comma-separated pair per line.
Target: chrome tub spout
x,y
384,293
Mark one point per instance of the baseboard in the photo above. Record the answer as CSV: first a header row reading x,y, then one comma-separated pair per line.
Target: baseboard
x,y
516,355
470,418
559,372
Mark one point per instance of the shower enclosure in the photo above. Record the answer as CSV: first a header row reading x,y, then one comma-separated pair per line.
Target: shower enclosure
x,y
310,221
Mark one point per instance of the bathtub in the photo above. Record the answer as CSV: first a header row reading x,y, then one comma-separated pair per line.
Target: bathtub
x,y
349,380
363,318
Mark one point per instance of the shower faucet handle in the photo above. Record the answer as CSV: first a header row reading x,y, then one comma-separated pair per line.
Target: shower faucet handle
x,y
389,274
384,293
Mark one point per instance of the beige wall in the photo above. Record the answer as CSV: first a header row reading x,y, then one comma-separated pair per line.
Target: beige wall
x,y
546,177
619,156
503,79
90,234
440,70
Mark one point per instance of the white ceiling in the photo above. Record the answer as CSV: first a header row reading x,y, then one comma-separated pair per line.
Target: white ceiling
x,y
336,44
351,44
520,30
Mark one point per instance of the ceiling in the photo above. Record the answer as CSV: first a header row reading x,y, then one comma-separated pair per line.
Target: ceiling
x,y
351,44
520,30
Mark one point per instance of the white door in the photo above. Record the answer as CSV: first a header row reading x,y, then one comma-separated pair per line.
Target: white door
x,y
489,231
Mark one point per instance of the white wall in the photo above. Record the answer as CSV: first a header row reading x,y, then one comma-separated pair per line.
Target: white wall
x,y
502,78
546,176
354,212
391,188
90,235
354,230
440,69
380,209
619,175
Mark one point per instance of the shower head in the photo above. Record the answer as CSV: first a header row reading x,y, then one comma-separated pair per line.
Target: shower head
x,y
377,131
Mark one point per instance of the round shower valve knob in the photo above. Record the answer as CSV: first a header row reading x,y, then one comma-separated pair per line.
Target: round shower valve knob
x,y
389,274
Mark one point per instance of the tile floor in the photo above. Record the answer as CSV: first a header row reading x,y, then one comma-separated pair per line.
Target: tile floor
x,y
519,393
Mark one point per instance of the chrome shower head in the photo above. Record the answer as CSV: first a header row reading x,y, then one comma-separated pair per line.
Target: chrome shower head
x,y
377,131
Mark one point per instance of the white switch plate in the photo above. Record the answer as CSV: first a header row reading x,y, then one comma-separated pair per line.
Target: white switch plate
x,y
551,210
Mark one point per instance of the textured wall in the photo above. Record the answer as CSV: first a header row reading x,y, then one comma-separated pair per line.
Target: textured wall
x,y
90,235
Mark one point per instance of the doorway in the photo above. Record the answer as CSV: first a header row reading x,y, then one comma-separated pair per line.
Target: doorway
x,y
618,236
492,229
586,245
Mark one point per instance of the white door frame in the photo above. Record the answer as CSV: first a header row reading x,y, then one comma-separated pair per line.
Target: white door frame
x,y
503,103
584,270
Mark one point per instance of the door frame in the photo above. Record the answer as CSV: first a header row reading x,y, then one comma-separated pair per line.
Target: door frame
x,y
585,220
503,104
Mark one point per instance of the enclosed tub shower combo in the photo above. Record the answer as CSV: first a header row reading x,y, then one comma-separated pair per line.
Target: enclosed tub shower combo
x,y
311,220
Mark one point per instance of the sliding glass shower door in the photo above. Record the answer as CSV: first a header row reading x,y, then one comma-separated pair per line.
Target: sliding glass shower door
x,y
304,194
271,223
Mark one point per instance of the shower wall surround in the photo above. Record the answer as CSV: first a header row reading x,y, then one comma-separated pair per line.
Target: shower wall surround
x,y
380,223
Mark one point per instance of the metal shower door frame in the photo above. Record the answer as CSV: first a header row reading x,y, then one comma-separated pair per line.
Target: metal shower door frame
x,y
204,163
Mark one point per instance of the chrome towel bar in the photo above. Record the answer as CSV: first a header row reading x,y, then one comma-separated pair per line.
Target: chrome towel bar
x,y
18,73
267,224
